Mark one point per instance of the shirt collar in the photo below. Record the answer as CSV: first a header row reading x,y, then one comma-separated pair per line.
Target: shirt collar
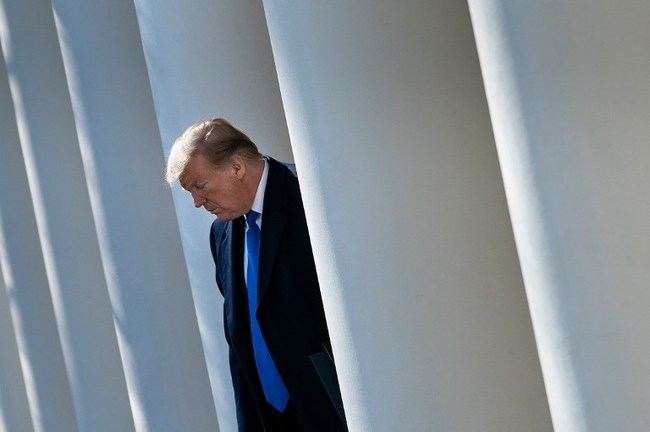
x,y
258,202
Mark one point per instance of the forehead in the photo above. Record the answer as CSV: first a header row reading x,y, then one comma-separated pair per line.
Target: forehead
x,y
196,170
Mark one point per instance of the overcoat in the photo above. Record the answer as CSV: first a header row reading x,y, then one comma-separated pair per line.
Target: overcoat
x,y
289,309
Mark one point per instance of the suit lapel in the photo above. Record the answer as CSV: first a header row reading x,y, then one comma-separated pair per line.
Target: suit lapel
x,y
232,247
273,223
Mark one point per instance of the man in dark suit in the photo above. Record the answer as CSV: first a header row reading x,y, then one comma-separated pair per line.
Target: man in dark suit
x,y
282,372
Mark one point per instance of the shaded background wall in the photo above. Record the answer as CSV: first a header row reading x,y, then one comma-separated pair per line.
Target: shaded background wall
x,y
475,181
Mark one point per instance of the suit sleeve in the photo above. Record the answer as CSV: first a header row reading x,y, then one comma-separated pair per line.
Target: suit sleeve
x,y
248,417
214,233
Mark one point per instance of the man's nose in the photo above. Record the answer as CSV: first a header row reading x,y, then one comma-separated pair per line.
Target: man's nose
x,y
198,200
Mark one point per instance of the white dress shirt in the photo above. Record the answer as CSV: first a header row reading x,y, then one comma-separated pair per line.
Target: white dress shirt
x,y
258,205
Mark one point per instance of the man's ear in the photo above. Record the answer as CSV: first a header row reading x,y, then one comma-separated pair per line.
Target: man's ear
x,y
238,165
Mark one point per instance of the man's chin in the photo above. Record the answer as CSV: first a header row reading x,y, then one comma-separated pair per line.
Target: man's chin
x,y
223,218
226,217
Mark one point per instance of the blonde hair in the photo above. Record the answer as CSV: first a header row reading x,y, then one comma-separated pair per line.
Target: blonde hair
x,y
216,139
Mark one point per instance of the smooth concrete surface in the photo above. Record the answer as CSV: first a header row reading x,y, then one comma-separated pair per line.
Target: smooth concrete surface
x,y
157,328
406,208
26,292
64,219
14,406
569,96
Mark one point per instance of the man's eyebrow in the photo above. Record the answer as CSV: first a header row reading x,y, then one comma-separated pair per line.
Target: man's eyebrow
x,y
194,185
180,182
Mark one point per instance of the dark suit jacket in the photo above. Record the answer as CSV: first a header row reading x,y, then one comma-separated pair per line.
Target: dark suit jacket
x,y
289,311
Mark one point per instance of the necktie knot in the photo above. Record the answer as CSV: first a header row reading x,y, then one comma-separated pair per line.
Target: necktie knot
x,y
251,218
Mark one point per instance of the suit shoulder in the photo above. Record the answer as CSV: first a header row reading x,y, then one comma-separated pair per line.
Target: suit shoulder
x,y
216,233
286,168
217,228
292,168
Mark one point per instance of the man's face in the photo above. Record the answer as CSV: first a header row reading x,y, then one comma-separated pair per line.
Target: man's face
x,y
219,190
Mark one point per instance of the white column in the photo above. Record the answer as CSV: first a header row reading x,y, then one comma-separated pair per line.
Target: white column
x,y
568,89
423,295
216,63
64,219
14,406
27,295
138,234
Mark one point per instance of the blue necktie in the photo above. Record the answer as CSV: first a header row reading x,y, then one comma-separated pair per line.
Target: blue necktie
x,y
274,390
